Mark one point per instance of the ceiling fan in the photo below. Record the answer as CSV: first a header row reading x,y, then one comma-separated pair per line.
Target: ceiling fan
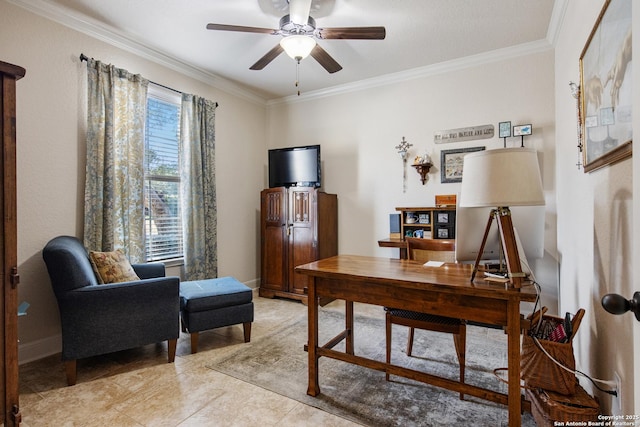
x,y
299,33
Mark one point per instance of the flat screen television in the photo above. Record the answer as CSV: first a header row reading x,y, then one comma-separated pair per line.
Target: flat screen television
x,y
294,167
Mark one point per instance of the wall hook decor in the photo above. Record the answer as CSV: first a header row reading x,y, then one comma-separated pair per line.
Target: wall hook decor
x,y
575,92
403,148
617,304
423,165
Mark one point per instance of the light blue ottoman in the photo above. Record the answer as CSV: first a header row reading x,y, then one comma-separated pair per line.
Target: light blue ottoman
x,y
214,303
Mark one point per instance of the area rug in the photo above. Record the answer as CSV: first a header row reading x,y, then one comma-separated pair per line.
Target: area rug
x,y
278,362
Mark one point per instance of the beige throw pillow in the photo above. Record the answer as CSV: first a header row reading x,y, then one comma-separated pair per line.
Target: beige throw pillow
x,y
112,267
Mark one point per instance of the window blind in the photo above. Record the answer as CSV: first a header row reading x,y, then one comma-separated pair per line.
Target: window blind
x,y
163,223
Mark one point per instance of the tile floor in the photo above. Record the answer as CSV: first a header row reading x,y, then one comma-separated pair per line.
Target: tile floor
x,y
139,388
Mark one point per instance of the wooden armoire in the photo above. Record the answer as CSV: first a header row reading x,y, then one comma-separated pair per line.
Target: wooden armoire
x,y
298,225
9,74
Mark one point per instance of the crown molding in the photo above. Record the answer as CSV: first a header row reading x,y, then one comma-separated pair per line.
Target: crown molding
x,y
557,18
555,25
497,55
95,29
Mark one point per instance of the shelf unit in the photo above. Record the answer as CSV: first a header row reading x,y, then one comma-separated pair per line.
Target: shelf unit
x,y
435,222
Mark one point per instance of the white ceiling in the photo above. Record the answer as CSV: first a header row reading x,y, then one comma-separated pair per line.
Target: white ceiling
x,y
420,33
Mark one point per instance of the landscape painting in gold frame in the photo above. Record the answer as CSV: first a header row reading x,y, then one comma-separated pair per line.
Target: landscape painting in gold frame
x,y
605,80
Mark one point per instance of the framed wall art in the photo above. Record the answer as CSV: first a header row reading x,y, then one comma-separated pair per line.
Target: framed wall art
x,y
443,233
605,80
522,130
504,129
451,162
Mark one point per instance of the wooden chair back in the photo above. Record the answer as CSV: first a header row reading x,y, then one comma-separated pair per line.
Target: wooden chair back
x,y
431,249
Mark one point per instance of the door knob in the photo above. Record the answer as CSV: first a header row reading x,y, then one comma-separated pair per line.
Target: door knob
x,y
617,304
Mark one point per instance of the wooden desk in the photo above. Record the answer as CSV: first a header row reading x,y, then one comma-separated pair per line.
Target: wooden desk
x,y
407,284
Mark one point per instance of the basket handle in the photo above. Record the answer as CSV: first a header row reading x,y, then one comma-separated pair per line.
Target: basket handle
x,y
534,317
575,322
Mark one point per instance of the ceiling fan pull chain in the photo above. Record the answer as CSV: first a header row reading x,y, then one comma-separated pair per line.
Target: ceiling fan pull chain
x,y
298,76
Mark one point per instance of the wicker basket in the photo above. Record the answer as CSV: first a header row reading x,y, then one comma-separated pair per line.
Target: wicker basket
x,y
549,408
538,370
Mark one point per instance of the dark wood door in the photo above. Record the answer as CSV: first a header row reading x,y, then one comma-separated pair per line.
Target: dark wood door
x,y
274,229
303,239
9,74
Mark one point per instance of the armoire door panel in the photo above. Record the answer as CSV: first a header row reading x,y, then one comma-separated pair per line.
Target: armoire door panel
x,y
274,262
300,209
275,208
302,250
274,239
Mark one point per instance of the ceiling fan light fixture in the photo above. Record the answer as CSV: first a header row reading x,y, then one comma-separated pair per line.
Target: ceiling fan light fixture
x,y
298,47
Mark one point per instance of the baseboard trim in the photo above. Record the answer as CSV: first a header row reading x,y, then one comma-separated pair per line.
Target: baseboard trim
x,y
39,349
253,284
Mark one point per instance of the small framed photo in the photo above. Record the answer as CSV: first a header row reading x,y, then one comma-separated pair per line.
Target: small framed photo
x,y
443,233
443,218
504,129
522,130
451,163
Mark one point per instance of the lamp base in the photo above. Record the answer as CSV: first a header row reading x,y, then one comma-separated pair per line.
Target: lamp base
x,y
502,215
496,268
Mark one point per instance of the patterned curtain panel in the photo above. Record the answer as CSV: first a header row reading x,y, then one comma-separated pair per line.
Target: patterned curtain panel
x,y
114,216
197,187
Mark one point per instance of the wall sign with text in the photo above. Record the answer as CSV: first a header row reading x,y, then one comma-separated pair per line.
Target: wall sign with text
x,y
463,134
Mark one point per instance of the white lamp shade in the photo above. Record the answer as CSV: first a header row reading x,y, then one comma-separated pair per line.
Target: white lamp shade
x,y
297,46
500,178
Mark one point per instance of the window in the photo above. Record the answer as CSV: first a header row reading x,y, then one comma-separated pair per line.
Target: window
x,y
163,223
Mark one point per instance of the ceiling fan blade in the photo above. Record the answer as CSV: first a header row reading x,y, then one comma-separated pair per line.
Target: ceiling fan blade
x,y
299,11
223,27
324,59
266,59
361,33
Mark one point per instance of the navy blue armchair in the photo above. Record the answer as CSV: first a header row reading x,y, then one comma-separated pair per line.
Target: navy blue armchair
x,y
104,318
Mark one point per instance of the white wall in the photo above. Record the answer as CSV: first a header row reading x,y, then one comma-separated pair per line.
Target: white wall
x,y
358,131
51,116
595,225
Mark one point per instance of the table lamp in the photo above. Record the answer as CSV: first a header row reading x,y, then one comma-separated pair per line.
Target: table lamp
x,y
501,178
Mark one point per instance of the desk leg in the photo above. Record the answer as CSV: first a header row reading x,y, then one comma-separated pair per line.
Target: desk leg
x,y
312,326
349,326
513,345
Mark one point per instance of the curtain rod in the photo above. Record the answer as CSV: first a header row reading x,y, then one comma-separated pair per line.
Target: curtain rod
x,y
84,57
